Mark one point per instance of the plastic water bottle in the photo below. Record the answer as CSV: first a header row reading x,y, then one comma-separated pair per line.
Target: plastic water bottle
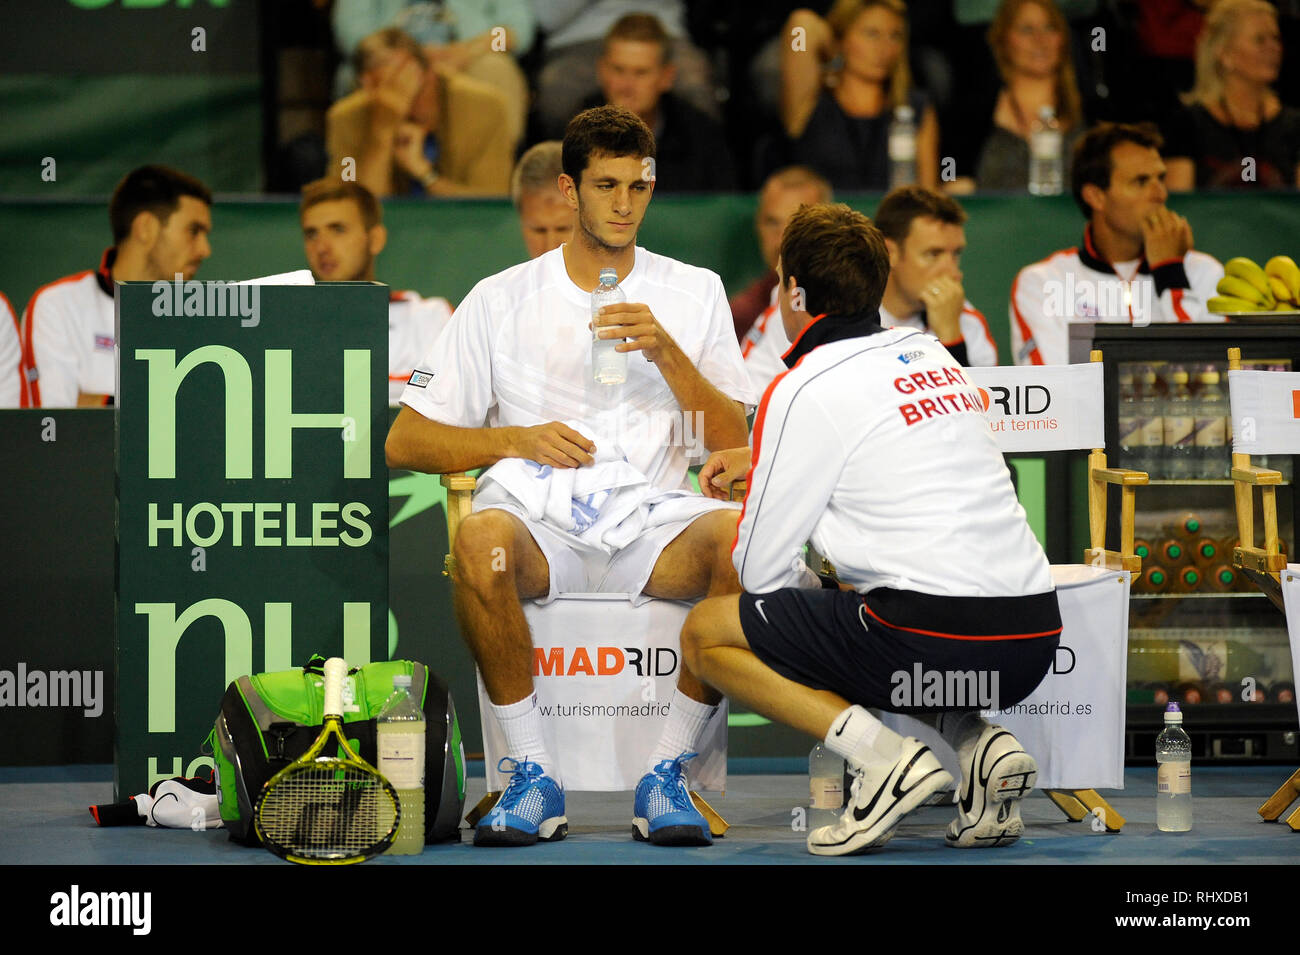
x,y
825,787
1046,164
400,731
608,366
1211,412
1150,425
1129,421
902,148
1180,428
1174,774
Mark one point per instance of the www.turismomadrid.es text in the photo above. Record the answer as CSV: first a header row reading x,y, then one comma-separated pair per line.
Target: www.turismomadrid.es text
x,y
1157,899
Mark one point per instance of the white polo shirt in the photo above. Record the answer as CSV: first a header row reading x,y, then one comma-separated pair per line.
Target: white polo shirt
x,y
69,337
518,353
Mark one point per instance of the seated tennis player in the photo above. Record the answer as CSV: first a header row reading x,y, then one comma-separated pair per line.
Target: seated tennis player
x,y
510,387
873,445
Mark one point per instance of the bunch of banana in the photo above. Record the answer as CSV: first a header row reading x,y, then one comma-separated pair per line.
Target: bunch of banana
x,y
1245,287
1284,280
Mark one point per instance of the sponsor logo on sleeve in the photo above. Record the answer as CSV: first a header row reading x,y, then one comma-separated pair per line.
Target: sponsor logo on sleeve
x,y
420,379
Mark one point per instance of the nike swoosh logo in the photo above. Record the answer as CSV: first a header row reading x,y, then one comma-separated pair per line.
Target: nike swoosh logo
x,y
969,799
844,724
758,605
860,814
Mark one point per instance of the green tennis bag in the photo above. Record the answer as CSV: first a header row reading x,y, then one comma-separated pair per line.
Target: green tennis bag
x,y
270,719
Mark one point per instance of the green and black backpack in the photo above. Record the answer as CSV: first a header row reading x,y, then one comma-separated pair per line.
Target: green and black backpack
x,y
270,719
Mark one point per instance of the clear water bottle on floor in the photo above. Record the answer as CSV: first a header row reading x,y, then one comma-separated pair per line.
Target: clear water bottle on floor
x,y
609,367
400,730
826,787
1173,774
902,148
1046,161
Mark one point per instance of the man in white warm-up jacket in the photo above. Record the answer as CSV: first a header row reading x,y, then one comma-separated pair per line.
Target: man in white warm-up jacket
x,y
874,446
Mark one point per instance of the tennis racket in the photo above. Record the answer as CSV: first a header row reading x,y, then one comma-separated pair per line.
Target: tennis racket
x,y
324,809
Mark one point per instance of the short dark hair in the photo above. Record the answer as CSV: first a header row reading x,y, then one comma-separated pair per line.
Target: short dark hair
x,y
604,130
838,258
906,203
155,189
641,28
334,190
1091,162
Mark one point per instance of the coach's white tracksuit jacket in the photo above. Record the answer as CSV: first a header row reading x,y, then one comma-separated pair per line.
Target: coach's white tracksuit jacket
x,y
1078,285
877,449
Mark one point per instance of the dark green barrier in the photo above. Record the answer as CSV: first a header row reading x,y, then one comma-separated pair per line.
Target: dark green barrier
x,y
444,248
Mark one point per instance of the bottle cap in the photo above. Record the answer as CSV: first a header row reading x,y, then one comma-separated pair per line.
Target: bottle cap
x,y
1046,113
1173,714
904,114
402,681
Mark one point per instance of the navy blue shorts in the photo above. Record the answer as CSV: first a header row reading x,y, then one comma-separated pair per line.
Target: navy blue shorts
x,y
905,652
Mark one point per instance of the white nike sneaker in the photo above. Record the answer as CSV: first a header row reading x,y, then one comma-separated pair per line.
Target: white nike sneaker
x,y
879,800
1000,774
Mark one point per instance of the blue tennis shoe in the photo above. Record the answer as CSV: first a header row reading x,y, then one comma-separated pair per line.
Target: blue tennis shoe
x,y
663,811
530,810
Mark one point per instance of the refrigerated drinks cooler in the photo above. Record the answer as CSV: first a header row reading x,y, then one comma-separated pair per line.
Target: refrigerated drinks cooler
x,y
1199,633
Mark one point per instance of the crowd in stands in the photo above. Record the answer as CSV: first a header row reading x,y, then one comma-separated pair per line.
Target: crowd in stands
x,y
469,97
457,87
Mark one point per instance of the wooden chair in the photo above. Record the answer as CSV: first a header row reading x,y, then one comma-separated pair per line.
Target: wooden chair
x,y
584,612
1265,566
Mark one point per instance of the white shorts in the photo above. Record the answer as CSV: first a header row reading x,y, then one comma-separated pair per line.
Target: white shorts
x,y
584,570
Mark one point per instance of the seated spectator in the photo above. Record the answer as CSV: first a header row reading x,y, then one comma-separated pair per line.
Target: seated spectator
x,y
925,236
1136,263
545,218
477,38
636,71
838,117
12,379
783,193
342,233
1030,43
160,219
1234,132
414,129
575,39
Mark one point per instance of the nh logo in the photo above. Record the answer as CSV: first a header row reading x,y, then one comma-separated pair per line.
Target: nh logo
x,y
166,375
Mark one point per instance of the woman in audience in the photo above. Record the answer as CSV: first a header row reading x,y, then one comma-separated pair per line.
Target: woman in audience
x,y
1234,132
1030,44
842,81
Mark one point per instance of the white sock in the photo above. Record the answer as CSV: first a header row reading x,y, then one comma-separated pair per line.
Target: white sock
x,y
522,724
686,721
858,736
961,731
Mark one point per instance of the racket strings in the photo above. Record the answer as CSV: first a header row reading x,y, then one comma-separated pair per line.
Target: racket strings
x,y
328,812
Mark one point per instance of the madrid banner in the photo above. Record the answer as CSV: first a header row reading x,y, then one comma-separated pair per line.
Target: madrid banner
x,y
252,499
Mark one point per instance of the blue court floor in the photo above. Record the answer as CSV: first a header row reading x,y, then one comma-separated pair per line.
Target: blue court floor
x,y
44,820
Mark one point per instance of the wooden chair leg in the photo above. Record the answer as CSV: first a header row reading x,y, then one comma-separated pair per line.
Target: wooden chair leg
x,y
481,809
1277,803
717,825
1067,803
1078,804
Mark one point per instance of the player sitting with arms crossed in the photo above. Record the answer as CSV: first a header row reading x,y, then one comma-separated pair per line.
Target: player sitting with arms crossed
x,y
944,574
509,386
